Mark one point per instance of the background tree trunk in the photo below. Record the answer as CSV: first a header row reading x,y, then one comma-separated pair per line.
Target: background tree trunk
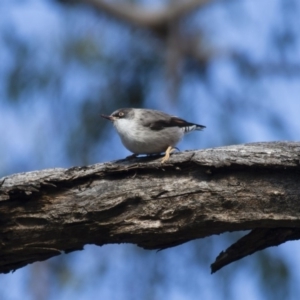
x,y
140,201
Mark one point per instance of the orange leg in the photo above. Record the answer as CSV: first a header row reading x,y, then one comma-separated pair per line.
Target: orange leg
x,y
169,150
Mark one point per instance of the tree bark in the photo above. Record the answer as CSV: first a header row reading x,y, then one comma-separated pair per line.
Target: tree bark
x,y
155,206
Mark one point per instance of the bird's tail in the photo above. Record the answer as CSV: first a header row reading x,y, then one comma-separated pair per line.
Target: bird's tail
x,y
193,127
199,127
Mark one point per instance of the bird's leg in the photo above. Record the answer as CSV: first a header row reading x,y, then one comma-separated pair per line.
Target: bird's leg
x,y
169,150
134,155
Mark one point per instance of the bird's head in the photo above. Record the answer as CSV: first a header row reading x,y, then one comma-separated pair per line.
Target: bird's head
x,y
121,113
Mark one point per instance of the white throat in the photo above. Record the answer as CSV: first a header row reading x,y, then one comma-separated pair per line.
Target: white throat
x,y
124,126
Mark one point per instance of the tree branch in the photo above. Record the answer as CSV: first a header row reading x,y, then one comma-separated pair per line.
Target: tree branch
x,y
196,194
257,239
154,20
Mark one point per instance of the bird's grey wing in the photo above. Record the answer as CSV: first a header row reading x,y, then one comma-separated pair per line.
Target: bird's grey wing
x,y
158,120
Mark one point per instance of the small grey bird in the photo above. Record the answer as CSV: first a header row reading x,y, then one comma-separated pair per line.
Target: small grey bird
x,y
148,131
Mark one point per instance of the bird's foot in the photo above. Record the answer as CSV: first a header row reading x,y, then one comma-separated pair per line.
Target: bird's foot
x,y
131,156
169,150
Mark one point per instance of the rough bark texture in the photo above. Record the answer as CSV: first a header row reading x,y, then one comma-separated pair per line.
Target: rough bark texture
x,y
140,201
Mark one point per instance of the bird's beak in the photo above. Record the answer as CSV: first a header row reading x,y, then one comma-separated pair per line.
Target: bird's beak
x,y
110,118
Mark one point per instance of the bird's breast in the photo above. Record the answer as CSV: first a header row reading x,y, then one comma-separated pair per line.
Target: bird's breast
x,y
140,139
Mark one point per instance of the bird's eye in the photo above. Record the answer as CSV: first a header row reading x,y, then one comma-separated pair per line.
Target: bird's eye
x,y
121,114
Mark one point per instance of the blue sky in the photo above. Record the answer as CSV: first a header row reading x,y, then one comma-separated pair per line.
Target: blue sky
x,y
236,107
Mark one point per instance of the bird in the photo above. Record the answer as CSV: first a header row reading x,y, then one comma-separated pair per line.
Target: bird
x,y
149,131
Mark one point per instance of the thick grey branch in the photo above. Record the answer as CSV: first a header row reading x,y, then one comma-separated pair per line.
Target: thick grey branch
x,y
257,239
194,195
